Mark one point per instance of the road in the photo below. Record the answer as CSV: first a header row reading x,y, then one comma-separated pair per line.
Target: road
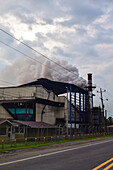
x,y
81,157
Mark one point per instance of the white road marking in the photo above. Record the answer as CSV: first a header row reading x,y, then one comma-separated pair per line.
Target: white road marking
x,y
52,153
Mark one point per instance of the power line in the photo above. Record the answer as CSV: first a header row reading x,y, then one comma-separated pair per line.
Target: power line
x,y
22,53
27,57
7,82
14,85
32,50
35,50
11,93
5,94
32,58
107,93
17,95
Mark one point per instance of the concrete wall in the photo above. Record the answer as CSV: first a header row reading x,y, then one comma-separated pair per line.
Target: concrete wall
x,y
27,92
41,92
51,113
60,113
48,116
4,114
17,93
30,92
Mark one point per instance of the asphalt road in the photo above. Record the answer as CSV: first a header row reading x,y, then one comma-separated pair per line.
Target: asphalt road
x,y
82,157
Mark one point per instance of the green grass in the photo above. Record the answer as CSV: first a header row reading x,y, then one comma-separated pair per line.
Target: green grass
x,y
21,145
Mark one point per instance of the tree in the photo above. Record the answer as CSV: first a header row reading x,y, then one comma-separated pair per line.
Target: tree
x,y
110,120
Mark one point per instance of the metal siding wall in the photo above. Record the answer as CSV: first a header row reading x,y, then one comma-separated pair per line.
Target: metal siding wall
x,y
75,107
79,107
70,105
83,110
86,108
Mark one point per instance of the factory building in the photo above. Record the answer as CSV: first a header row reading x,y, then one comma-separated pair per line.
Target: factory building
x,y
53,103
97,119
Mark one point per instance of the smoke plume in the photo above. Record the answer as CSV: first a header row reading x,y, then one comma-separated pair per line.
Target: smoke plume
x,y
68,75
23,71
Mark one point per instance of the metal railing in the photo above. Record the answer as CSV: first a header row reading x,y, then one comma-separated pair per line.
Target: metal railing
x,y
10,144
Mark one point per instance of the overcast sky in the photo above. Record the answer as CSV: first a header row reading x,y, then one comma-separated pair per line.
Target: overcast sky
x,y
77,32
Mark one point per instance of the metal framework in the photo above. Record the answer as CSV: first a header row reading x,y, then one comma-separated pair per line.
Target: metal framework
x,y
78,113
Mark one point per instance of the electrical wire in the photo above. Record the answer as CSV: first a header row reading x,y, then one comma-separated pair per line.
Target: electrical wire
x,y
25,54
108,93
27,57
31,58
27,90
6,82
35,50
11,94
32,50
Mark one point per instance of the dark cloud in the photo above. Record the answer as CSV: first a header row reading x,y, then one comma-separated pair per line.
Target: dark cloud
x,y
79,32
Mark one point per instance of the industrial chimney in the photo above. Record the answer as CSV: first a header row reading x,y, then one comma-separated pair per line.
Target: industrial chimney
x,y
90,82
90,88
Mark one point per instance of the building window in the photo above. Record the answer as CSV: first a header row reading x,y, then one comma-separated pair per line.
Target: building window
x,y
21,111
2,130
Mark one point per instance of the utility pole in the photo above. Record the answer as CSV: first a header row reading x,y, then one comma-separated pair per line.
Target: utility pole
x,y
102,103
67,114
101,98
106,120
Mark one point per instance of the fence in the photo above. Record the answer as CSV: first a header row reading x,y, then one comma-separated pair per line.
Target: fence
x,y
10,144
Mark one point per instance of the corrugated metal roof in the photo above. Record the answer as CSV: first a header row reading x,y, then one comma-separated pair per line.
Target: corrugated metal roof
x,y
56,87
2,120
33,124
5,120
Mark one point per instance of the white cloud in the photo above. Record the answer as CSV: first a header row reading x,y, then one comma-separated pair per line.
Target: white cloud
x,y
79,32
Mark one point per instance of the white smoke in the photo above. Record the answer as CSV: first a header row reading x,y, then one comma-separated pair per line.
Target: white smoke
x,y
23,71
68,75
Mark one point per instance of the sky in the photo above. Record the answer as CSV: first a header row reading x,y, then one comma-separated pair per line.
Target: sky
x,y
75,34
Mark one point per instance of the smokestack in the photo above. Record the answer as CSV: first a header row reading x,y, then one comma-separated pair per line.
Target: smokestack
x,y
90,82
90,88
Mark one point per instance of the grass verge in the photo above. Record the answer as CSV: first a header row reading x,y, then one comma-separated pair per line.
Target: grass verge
x,y
21,145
